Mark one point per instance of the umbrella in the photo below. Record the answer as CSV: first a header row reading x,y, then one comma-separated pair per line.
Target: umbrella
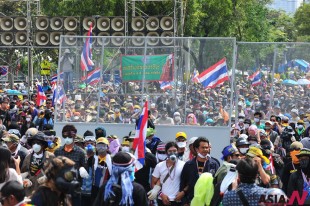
x,y
289,82
303,82
13,92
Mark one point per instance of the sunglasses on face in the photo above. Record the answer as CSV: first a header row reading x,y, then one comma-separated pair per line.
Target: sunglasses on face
x,y
71,133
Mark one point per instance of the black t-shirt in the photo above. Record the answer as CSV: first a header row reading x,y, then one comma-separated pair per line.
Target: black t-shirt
x,y
45,196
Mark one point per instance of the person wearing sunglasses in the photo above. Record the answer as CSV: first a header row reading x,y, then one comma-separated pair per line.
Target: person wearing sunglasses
x,y
36,162
13,193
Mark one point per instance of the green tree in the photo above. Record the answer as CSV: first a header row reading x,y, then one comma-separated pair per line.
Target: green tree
x,y
302,22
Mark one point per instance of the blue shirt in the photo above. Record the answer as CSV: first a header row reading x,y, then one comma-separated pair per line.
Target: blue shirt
x,y
252,193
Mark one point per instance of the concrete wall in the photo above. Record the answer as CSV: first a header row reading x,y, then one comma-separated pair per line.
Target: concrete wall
x,y
218,136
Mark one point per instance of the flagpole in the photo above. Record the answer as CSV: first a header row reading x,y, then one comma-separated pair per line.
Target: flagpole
x,y
272,76
144,66
100,81
187,83
233,84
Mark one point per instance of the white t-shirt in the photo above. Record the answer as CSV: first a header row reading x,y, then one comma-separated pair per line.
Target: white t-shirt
x,y
12,176
172,184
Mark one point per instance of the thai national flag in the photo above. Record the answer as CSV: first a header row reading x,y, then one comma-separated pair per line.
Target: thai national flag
x,y
195,76
165,85
58,94
86,56
255,79
214,75
54,78
139,141
40,96
93,77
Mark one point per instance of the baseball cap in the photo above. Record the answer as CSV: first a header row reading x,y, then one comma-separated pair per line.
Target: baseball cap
x,y
229,150
257,152
102,140
181,134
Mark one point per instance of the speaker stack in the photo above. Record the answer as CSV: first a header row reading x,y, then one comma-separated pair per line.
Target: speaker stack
x,y
13,31
103,30
138,29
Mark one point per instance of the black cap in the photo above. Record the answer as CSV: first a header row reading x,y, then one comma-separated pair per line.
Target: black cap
x,y
123,159
241,141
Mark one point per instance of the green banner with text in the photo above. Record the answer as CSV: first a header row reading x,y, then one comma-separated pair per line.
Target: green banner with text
x,y
157,67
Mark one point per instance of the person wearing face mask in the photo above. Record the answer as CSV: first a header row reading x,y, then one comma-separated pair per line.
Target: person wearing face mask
x,y
243,146
151,140
164,118
102,165
299,180
257,118
36,162
161,153
241,123
300,130
247,123
75,153
166,178
177,118
26,125
292,165
125,145
46,120
180,139
121,189
195,167
59,184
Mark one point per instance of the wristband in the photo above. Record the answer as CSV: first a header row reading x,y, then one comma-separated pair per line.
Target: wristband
x,y
159,194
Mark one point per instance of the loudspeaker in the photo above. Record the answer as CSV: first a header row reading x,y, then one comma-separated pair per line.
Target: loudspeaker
x,y
137,23
93,40
87,21
104,41
55,37
6,23
152,39
71,23
118,24
70,38
56,23
42,38
138,39
166,23
103,24
21,38
119,39
41,23
152,23
7,38
167,41
20,23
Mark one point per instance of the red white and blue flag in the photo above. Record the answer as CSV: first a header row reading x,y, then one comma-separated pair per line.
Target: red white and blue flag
x,y
195,76
54,78
40,96
86,56
255,79
59,95
93,77
214,75
4,70
165,85
139,141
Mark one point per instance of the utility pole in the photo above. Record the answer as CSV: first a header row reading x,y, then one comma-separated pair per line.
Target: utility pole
x,y
29,47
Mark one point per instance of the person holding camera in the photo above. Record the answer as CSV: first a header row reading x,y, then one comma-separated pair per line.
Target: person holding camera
x,y
66,64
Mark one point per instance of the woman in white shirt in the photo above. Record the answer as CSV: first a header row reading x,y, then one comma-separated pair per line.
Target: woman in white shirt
x,y
6,173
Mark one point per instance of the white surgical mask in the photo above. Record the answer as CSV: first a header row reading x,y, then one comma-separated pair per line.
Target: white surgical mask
x,y
243,150
300,126
36,148
246,126
26,107
202,156
125,149
256,119
161,157
28,119
68,141
181,144
241,120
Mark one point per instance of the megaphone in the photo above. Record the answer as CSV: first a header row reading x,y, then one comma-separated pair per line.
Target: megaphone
x,y
42,38
152,38
138,23
6,23
21,37
71,23
20,23
87,21
138,39
55,38
102,39
103,24
7,38
70,38
118,24
152,23
166,23
167,40
42,23
56,23
118,39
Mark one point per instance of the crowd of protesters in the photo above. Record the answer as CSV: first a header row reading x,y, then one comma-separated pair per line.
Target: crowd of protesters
x,y
266,161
